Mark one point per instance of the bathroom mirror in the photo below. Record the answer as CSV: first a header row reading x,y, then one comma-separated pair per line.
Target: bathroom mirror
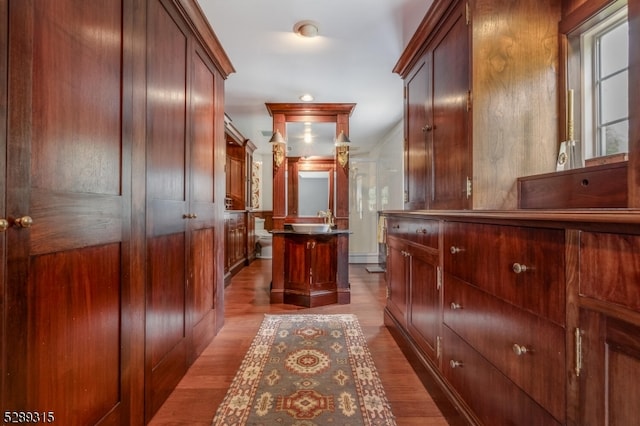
x,y
310,186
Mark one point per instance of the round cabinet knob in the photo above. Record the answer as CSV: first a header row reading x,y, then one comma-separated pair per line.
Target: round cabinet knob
x,y
427,128
4,224
24,222
519,268
455,364
455,306
520,349
455,249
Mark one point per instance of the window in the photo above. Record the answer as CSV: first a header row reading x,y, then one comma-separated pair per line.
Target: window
x,y
602,79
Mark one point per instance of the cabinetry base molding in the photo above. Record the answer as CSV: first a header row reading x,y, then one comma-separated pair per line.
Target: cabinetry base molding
x,y
310,300
453,408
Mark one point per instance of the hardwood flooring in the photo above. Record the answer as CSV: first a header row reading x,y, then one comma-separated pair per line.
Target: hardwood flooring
x,y
196,398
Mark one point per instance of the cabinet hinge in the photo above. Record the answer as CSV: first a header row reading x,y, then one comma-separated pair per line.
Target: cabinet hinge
x,y
578,343
469,100
469,187
406,196
388,292
438,347
467,12
438,278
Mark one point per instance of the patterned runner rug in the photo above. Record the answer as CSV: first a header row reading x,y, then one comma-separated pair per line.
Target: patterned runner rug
x,y
306,370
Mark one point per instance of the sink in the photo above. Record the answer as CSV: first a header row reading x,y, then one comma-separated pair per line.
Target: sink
x,y
310,227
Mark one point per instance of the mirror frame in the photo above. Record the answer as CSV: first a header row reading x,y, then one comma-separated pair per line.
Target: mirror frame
x,y
338,113
297,164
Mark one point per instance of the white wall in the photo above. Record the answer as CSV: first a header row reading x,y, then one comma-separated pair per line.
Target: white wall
x,y
376,183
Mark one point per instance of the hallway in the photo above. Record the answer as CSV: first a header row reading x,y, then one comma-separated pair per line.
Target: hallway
x,y
196,398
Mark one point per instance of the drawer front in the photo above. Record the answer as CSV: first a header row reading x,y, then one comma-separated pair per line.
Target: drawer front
x,y
422,231
494,399
519,344
524,266
610,268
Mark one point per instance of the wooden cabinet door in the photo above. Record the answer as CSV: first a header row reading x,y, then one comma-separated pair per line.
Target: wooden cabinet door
x,y
424,297
608,379
204,118
323,262
296,265
167,204
451,154
418,138
397,279
66,335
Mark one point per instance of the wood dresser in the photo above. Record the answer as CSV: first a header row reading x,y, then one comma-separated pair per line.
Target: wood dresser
x,y
522,317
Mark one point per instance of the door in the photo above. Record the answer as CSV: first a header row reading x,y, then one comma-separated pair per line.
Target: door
x,y
397,279
168,211
66,349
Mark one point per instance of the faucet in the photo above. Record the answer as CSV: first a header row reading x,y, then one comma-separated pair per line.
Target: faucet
x,y
328,217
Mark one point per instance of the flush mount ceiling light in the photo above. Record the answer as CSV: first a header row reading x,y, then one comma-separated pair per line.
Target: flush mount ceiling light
x,y
306,97
306,29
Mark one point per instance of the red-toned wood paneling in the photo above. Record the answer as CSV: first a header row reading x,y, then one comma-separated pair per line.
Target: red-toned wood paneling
x,y
65,350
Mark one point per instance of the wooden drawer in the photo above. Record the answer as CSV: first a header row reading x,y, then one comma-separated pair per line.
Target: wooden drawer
x,y
494,328
488,256
422,231
494,399
610,268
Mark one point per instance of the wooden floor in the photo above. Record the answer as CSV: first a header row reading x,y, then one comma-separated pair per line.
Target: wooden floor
x,y
196,398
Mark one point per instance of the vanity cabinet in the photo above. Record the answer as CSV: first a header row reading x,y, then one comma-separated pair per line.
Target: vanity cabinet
x,y
310,269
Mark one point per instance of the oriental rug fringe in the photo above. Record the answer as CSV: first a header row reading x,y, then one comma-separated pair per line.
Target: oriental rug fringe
x,y
306,370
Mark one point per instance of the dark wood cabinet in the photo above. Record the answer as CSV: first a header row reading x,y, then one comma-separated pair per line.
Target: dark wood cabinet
x,y
114,194
235,235
607,342
538,318
311,269
467,136
414,280
437,132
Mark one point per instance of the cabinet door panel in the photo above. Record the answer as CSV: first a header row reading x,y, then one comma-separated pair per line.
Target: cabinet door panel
x,y
64,347
167,178
324,264
417,146
397,276
451,148
609,377
424,313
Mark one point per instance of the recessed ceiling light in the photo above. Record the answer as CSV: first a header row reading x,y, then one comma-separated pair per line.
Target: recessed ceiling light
x,y
306,97
306,29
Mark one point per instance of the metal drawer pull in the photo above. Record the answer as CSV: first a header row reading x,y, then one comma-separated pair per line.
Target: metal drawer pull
x,y
421,231
520,349
4,224
455,364
455,306
24,222
519,268
455,249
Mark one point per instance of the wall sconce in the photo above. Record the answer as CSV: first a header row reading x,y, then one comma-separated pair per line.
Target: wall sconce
x,y
278,144
342,149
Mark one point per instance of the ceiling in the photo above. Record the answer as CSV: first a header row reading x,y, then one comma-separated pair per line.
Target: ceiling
x,y
350,61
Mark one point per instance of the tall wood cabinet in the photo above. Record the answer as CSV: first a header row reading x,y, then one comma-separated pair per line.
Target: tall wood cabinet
x,y
113,179
468,136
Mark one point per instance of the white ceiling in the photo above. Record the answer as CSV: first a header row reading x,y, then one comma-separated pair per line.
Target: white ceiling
x,y
350,61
